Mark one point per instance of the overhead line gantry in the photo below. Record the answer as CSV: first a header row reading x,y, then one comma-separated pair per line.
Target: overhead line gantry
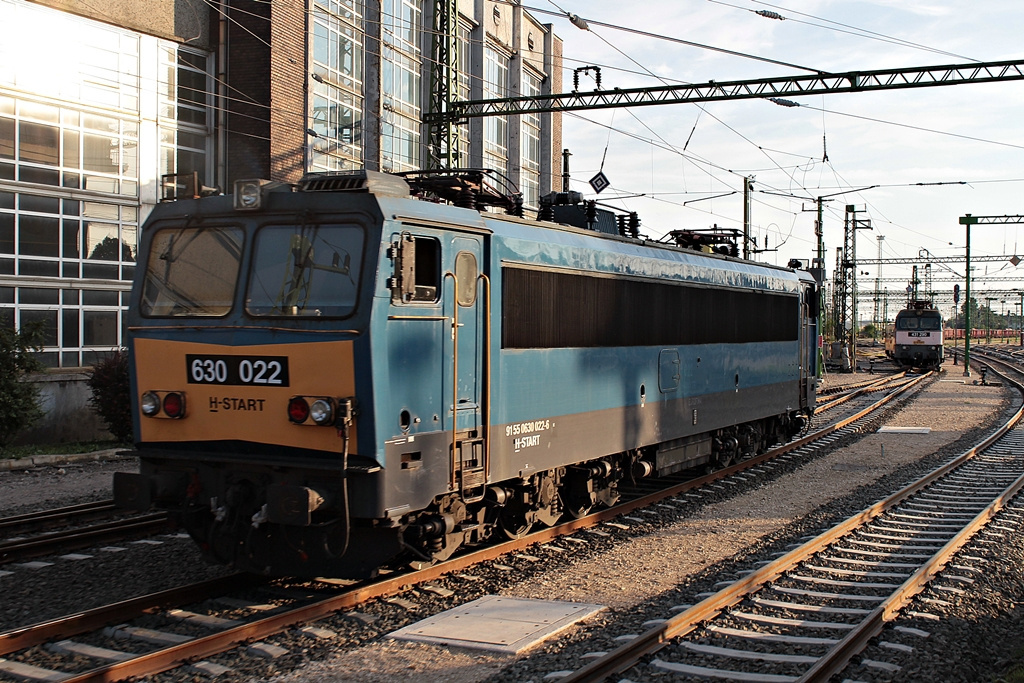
x,y
763,88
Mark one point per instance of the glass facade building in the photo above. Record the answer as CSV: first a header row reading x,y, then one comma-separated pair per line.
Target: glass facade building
x,y
530,144
93,111
336,93
90,115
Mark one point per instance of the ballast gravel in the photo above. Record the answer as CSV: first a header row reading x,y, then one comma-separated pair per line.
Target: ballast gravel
x,y
50,587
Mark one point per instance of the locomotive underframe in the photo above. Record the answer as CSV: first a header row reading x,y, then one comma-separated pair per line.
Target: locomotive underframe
x,y
925,356
302,516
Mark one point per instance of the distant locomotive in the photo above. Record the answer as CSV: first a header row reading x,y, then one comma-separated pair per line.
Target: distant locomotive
x,y
335,376
915,339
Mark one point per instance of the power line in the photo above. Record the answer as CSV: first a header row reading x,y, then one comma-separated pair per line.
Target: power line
x,y
670,39
854,30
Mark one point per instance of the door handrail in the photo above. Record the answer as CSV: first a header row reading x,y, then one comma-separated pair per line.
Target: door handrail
x,y
485,414
455,373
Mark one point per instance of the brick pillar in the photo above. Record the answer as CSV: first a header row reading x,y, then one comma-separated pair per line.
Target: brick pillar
x,y
288,87
267,76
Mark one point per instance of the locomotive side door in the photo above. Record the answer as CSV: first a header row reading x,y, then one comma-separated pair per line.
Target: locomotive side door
x,y
808,346
465,300
435,356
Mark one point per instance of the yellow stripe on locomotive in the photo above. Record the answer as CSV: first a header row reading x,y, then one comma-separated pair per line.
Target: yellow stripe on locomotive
x,y
233,393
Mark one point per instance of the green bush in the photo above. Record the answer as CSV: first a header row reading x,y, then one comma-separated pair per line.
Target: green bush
x,y
19,399
111,394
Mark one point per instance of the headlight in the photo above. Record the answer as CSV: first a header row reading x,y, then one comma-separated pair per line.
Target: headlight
x,y
150,404
319,411
248,194
322,412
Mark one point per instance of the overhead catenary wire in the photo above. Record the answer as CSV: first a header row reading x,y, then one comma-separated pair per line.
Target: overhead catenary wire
x,y
726,167
701,107
845,28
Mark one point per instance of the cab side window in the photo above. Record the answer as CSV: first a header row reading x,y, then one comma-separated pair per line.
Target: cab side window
x,y
417,276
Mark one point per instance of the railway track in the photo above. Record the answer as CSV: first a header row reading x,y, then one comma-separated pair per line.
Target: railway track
x,y
825,392
123,656
63,516
807,614
28,544
853,391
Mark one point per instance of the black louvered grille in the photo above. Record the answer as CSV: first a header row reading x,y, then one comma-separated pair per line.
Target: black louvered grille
x,y
560,310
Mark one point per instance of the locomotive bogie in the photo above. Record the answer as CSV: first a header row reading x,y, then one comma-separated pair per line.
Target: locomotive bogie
x,y
377,378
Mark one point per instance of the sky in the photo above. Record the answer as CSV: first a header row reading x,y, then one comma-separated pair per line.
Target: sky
x,y
935,154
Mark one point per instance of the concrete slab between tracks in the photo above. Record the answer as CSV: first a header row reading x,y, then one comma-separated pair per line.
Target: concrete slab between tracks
x,y
31,461
498,624
905,430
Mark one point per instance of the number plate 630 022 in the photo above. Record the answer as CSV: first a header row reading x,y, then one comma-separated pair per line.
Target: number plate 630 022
x,y
238,370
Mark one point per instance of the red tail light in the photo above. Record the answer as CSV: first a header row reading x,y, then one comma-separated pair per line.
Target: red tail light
x,y
174,405
298,410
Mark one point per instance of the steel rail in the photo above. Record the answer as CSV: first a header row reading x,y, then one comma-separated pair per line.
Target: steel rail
x,y
31,635
858,638
857,385
46,544
174,656
860,390
57,515
652,640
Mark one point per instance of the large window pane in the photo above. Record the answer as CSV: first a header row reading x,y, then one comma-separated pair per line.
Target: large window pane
x,y
48,320
100,153
38,143
100,271
6,138
101,243
129,242
99,328
6,233
37,268
71,239
99,298
38,203
72,155
308,271
38,295
38,236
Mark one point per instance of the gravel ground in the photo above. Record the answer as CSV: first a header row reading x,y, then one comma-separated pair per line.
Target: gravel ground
x,y
677,555
68,585
39,488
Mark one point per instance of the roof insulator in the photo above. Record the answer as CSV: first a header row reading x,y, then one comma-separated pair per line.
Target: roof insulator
x,y
579,22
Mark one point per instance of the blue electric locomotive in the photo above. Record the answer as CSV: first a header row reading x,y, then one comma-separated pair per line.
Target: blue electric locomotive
x,y
339,375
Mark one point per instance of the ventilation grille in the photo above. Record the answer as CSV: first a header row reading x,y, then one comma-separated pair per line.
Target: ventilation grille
x,y
355,181
550,310
334,183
